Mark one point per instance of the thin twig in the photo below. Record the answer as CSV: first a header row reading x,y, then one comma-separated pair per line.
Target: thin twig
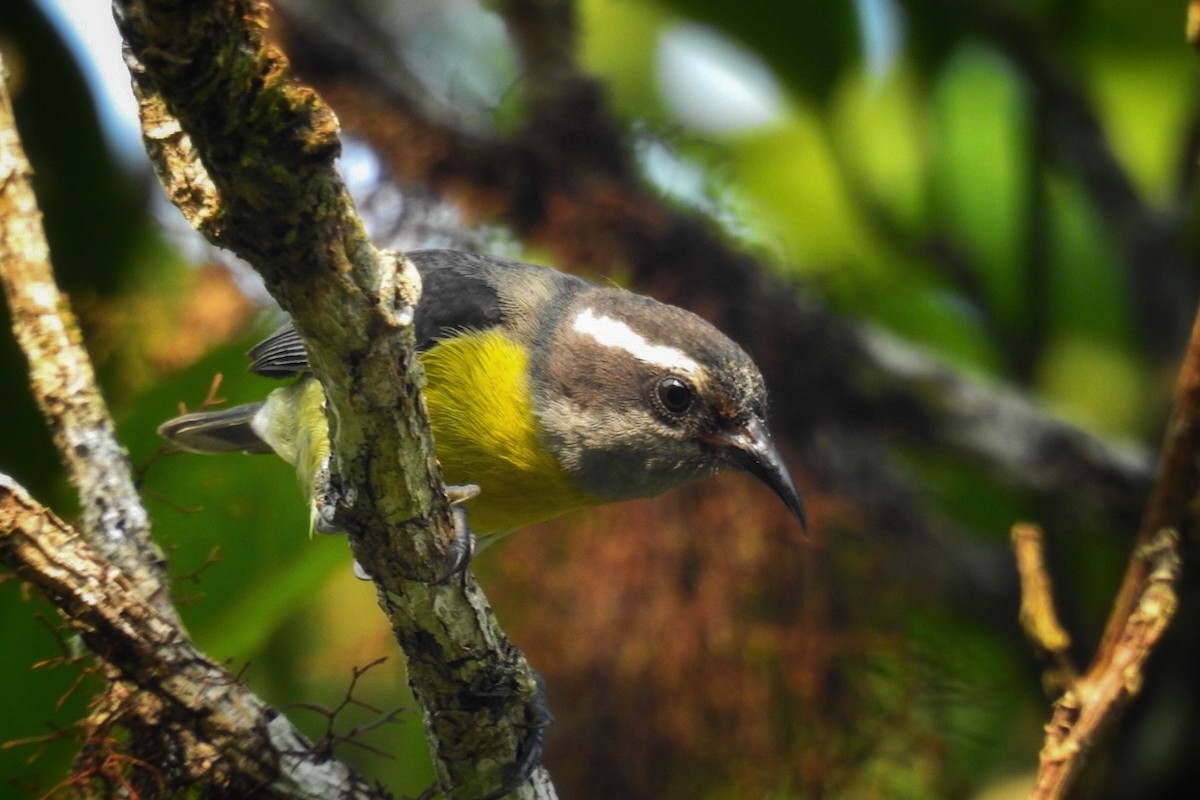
x,y
1094,702
1175,490
1146,601
1038,616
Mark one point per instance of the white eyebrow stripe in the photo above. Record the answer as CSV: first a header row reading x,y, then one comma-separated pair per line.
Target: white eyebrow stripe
x,y
615,333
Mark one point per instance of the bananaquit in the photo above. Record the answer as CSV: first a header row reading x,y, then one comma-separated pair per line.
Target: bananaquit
x,y
545,391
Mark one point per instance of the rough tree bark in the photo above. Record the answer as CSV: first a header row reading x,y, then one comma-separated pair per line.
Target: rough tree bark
x,y
247,154
268,192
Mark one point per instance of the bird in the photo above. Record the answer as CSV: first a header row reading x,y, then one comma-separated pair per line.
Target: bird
x,y
547,392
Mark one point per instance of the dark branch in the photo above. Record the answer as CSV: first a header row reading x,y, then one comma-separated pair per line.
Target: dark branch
x,y
1147,599
63,381
248,154
202,723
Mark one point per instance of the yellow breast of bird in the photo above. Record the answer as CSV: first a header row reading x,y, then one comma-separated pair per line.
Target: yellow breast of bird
x,y
486,433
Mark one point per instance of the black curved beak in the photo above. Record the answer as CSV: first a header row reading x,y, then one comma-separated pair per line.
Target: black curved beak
x,y
751,448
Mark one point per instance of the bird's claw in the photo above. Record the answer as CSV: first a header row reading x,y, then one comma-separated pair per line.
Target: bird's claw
x,y
458,494
537,720
325,501
360,572
462,547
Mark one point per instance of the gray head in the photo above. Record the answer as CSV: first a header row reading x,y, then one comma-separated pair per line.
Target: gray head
x,y
636,397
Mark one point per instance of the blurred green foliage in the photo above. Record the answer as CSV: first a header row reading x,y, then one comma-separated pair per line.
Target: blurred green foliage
x,y
921,197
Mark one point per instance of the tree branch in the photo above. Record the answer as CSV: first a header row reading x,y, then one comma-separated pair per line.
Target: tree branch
x,y
1093,703
1171,506
188,718
63,381
248,153
1147,599
1039,619
191,719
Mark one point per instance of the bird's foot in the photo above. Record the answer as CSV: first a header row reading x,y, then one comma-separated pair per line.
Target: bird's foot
x,y
326,497
538,720
462,547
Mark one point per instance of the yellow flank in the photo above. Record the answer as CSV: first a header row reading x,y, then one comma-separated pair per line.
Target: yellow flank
x,y
298,432
485,433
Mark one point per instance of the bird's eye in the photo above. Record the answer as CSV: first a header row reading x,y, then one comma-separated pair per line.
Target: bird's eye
x,y
675,395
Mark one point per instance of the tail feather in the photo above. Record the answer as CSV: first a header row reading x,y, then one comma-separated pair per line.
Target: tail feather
x,y
226,431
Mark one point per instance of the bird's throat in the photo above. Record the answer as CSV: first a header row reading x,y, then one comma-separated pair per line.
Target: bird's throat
x,y
485,432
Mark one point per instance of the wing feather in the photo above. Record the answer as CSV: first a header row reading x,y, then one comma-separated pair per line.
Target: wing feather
x,y
460,291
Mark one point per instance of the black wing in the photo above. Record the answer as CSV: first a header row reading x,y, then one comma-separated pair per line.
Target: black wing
x,y
459,292
280,355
